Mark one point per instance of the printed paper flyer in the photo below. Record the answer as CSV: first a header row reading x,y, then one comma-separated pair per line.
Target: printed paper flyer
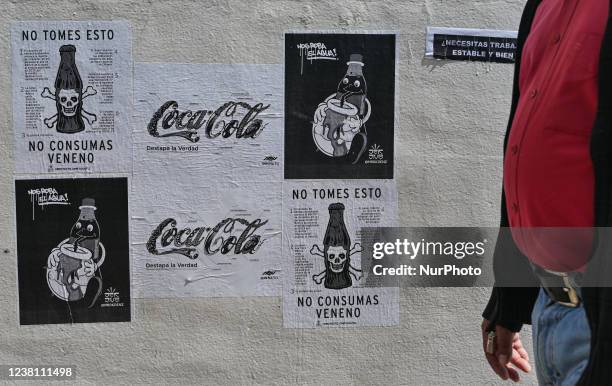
x,y
73,250
324,283
72,96
471,44
339,105
206,120
200,238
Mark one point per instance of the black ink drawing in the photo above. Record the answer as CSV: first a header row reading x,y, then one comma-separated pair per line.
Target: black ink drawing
x,y
338,127
187,123
69,96
337,252
339,103
77,259
223,238
66,264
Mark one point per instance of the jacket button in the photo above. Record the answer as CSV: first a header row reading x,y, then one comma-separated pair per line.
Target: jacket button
x,y
515,207
533,93
514,149
557,38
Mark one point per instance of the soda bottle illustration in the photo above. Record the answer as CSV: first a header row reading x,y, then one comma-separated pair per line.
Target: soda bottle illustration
x,y
69,92
86,231
336,249
342,132
352,88
77,259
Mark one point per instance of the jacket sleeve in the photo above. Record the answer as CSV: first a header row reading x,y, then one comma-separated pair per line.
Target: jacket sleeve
x,y
510,304
598,296
598,305
512,298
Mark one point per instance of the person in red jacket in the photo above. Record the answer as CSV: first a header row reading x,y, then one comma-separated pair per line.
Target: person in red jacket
x,y
557,175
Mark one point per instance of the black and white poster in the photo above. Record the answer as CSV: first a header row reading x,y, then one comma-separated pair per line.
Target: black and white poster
x,y
219,121
322,263
471,44
205,237
73,250
72,96
339,105
207,180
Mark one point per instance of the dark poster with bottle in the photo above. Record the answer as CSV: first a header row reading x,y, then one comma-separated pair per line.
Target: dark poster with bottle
x,y
73,250
339,105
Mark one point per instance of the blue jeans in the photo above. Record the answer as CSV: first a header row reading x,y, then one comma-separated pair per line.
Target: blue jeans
x,y
561,341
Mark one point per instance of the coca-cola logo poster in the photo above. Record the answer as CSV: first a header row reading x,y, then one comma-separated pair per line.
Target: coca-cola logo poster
x,y
339,105
193,238
324,282
72,96
73,250
209,119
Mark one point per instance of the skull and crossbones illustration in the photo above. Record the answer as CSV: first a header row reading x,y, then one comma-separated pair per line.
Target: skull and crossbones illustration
x,y
69,95
69,101
337,266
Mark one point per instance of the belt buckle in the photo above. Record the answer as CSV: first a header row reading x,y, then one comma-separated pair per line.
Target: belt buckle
x,y
571,292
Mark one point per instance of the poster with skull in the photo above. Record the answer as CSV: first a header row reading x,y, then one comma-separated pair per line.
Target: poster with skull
x,y
324,284
72,96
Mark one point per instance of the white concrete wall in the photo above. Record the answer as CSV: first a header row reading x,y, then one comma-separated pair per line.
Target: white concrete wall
x,y
452,118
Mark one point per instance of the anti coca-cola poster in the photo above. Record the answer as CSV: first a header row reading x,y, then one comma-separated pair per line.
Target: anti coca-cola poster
x,y
339,105
72,96
73,250
322,263
205,238
220,121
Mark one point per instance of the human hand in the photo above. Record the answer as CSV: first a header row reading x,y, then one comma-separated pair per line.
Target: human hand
x,y
509,353
53,259
350,128
320,113
88,268
319,117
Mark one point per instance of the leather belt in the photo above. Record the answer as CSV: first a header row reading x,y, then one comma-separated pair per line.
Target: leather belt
x,y
561,287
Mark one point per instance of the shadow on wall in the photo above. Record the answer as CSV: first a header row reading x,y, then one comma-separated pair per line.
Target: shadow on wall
x,y
432,63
